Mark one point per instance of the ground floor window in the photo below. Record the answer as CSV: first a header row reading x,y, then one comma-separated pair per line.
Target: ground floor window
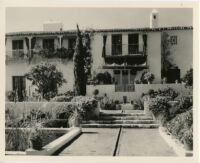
x,y
19,86
48,44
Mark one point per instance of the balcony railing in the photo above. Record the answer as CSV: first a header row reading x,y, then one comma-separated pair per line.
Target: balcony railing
x,y
125,88
125,49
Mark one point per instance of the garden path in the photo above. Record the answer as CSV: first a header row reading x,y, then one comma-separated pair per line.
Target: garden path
x,y
132,142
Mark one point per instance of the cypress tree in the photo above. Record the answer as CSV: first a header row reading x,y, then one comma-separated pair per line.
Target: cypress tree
x,y
79,62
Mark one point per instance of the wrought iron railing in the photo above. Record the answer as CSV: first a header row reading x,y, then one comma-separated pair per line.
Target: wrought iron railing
x,y
125,49
124,88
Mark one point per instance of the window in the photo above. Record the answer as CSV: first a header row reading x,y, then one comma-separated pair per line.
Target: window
x,y
17,45
116,44
133,43
71,43
19,86
173,40
48,44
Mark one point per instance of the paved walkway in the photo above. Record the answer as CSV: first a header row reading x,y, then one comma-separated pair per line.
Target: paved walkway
x,y
143,142
132,142
93,142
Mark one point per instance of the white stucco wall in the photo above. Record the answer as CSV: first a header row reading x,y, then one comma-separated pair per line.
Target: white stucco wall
x,y
154,55
182,52
20,68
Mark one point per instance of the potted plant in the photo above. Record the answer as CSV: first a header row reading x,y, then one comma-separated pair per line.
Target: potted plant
x,y
35,141
188,139
95,93
118,106
149,77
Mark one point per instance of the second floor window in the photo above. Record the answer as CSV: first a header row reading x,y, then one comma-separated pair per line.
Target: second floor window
x,y
116,44
48,44
133,43
17,45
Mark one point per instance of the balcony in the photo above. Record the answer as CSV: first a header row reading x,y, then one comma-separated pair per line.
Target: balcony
x,y
38,55
131,54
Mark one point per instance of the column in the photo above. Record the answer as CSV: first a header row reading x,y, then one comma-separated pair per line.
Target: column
x,y
124,44
129,77
60,41
29,44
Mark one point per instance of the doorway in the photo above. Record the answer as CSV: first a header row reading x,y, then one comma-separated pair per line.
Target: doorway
x,y
19,86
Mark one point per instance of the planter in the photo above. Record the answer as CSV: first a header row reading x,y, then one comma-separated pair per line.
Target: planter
x,y
35,144
93,114
188,147
118,107
146,107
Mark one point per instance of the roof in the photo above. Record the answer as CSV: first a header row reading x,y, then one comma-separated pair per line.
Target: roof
x,y
66,32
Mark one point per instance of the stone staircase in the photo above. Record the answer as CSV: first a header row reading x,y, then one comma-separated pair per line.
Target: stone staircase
x,y
116,119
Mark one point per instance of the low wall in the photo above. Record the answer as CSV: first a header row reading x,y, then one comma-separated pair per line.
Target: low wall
x,y
139,89
19,110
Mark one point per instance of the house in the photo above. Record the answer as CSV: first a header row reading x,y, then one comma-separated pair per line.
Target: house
x,y
124,53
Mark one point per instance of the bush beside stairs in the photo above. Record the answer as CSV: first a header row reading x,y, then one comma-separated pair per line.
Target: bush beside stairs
x,y
118,119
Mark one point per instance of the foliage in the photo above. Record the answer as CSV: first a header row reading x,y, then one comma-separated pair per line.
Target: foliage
x,y
60,53
185,104
166,60
35,139
180,124
96,92
11,95
147,77
62,98
167,92
56,123
16,140
159,106
63,111
188,78
47,79
109,105
79,63
85,103
188,137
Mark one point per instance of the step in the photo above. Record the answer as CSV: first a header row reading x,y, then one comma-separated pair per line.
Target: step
x,y
120,125
119,122
125,118
122,114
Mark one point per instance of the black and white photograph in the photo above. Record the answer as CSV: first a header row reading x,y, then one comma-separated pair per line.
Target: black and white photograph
x,y
99,81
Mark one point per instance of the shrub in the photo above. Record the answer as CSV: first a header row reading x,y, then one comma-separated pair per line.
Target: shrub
x,y
11,95
186,102
96,92
86,103
35,140
147,77
167,92
188,137
64,110
47,79
62,98
160,108
188,78
180,124
56,123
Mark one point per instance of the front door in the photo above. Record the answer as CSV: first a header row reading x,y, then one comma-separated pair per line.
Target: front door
x,y
19,86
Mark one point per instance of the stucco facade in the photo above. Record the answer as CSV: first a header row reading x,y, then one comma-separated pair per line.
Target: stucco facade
x,y
181,53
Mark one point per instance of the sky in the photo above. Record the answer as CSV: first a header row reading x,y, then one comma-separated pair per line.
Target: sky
x,y
32,18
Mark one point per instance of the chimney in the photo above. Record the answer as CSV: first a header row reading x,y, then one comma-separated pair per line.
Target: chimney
x,y
52,26
154,19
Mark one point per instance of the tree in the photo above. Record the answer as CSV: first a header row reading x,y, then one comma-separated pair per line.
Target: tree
x,y
47,79
79,64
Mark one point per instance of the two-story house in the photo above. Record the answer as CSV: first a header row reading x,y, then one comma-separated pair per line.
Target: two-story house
x,y
124,53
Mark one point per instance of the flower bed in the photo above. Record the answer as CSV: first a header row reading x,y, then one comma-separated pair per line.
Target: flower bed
x,y
175,116
28,114
17,139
